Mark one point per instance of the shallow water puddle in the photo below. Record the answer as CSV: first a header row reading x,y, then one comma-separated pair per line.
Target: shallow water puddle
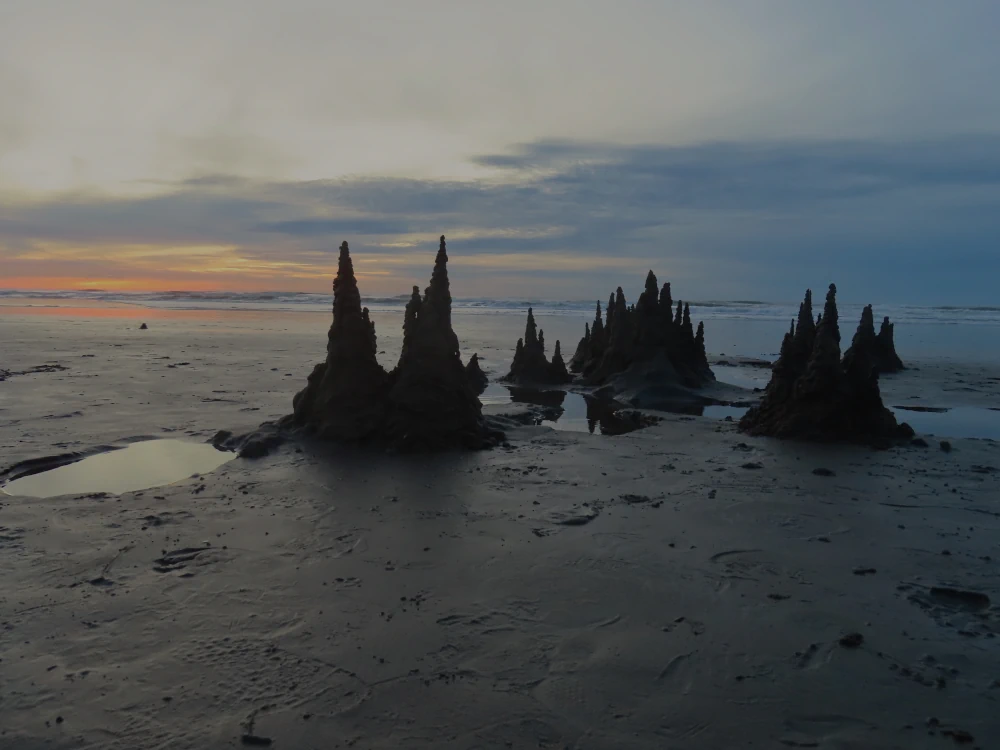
x,y
720,411
151,463
573,416
495,394
744,377
954,422
572,412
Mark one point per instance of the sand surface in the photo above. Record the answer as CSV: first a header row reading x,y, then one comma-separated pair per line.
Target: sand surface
x,y
682,586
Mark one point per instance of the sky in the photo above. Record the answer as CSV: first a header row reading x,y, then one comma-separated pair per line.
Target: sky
x,y
742,149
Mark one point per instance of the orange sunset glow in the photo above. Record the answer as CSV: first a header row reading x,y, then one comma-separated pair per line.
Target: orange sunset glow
x,y
689,144
200,268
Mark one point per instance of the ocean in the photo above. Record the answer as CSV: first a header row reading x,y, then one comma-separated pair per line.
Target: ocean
x,y
738,328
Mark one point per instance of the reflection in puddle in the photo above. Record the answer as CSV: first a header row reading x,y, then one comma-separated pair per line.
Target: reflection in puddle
x,y
956,422
495,394
744,377
721,412
577,413
574,412
151,463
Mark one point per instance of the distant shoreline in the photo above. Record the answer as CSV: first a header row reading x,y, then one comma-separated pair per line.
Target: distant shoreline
x,y
310,302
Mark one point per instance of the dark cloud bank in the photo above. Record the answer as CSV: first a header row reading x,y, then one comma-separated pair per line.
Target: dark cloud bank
x,y
894,222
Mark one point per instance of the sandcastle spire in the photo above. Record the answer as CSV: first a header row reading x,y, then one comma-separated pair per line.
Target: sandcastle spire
x,y
531,330
826,398
341,399
559,373
371,328
830,317
686,323
410,318
475,375
803,335
700,354
649,299
806,326
864,336
860,359
620,332
823,372
652,286
786,346
438,292
431,399
346,297
666,301
888,360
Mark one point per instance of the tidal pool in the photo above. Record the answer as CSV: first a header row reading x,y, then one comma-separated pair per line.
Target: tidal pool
x,y
151,463
943,422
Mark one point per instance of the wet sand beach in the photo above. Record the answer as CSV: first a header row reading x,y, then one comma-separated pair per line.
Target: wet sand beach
x,y
682,585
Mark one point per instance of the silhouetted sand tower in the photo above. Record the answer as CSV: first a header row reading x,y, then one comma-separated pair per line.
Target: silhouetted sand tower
x,y
813,394
426,403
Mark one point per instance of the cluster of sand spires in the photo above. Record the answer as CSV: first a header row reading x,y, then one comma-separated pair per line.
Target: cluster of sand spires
x,y
814,394
530,365
649,335
427,402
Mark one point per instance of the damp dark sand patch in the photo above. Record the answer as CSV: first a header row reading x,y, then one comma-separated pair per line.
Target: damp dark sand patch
x,y
112,470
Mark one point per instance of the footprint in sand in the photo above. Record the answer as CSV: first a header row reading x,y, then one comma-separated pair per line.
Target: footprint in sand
x,y
697,626
10,537
178,559
969,612
748,565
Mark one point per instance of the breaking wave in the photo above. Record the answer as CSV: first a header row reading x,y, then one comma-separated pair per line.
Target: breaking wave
x,y
306,302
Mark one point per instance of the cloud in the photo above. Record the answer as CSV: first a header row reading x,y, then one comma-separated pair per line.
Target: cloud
x,y
731,218
330,227
303,90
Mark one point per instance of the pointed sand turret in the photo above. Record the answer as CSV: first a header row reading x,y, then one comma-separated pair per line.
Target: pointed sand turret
x,y
815,395
342,399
